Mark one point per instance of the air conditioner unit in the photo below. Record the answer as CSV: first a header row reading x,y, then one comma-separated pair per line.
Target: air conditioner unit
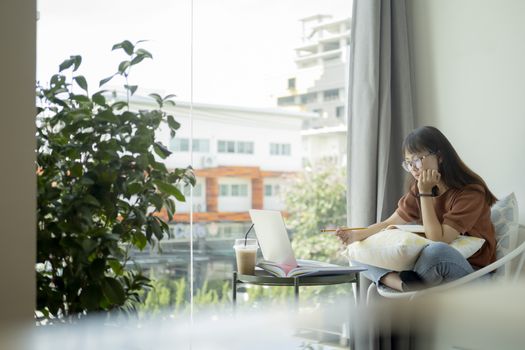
x,y
208,162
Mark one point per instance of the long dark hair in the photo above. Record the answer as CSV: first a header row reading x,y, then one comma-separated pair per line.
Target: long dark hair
x,y
454,173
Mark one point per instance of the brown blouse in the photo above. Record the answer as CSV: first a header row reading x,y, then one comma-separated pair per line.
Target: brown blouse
x,y
465,210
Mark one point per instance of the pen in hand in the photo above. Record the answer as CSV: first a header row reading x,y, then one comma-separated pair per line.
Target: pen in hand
x,y
332,230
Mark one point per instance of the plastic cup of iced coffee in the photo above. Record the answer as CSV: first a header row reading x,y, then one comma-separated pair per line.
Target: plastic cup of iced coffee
x,y
246,254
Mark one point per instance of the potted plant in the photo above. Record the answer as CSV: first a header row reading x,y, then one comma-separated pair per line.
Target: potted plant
x,y
101,184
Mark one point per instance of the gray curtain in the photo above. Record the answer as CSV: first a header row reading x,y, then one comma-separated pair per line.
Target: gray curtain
x,y
380,111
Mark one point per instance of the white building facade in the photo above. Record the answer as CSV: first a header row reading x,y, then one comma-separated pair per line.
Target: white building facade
x,y
234,150
319,85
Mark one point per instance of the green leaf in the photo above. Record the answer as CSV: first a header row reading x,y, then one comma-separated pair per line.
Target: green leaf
x,y
169,190
89,199
80,98
161,150
134,188
113,291
173,124
157,201
99,99
119,105
97,269
116,266
131,88
77,60
90,297
126,45
157,98
108,116
145,53
123,66
139,240
155,227
105,80
137,60
81,81
76,170
66,64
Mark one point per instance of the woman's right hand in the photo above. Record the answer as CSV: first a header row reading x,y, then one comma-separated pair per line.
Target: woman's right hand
x,y
348,236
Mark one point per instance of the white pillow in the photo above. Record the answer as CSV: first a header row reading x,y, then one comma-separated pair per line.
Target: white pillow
x,y
504,215
398,250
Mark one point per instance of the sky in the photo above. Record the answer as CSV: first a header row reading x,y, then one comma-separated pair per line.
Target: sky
x,y
242,49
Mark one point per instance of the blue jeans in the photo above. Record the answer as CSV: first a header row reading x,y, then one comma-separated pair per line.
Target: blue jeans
x,y
438,263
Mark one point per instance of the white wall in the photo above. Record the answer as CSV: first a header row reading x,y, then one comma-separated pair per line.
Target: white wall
x,y
469,68
17,162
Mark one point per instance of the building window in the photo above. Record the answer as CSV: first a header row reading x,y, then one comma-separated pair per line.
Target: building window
x,y
179,145
268,190
330,95
291,83
225,190
242,147
340,111
272,190
201,145
318,111
310,97
183,145
286,101
243,190
233,190
280,149
185,189
331,46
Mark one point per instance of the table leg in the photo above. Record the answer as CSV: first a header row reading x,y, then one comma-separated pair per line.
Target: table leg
x,y
234,288
296,292
358,287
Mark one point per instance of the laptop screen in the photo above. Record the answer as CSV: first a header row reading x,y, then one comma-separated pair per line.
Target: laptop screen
x,y
272,236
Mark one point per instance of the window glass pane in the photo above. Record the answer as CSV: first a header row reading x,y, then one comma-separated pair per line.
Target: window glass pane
x,y
221,147
296,58
330,95
249,147
225,190
243,190
231,146
339,112
179,145
240,147
197,191
201,145
267,190
235,190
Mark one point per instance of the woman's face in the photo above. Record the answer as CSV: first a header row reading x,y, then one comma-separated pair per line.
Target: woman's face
x,y
415,163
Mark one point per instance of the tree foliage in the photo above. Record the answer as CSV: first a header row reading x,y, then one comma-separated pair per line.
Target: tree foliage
x,y
316,199
100,181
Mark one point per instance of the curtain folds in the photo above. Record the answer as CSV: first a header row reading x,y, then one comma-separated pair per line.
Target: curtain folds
x,y
380,113
380,105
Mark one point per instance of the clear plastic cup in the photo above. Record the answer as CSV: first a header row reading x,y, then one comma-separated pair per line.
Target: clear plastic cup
x,y
246,254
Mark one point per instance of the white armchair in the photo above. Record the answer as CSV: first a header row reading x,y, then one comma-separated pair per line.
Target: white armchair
x,y
504,215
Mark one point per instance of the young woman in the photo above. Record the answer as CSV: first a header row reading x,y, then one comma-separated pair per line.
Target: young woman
x,y
446,197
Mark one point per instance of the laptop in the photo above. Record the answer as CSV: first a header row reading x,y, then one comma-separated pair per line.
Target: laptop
x,y
272,236
277,250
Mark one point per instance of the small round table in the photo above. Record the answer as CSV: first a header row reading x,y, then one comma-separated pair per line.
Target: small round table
x,y
264,278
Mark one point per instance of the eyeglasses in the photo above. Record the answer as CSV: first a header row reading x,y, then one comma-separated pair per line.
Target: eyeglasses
x,y
408,165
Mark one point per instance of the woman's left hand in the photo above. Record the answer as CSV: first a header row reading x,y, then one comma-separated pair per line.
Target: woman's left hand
x,y
428,178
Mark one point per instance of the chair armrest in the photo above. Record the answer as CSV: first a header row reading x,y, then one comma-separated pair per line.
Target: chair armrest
x,y
468,278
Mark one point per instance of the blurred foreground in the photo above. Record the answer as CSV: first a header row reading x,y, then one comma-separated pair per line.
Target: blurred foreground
x,y
485,316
